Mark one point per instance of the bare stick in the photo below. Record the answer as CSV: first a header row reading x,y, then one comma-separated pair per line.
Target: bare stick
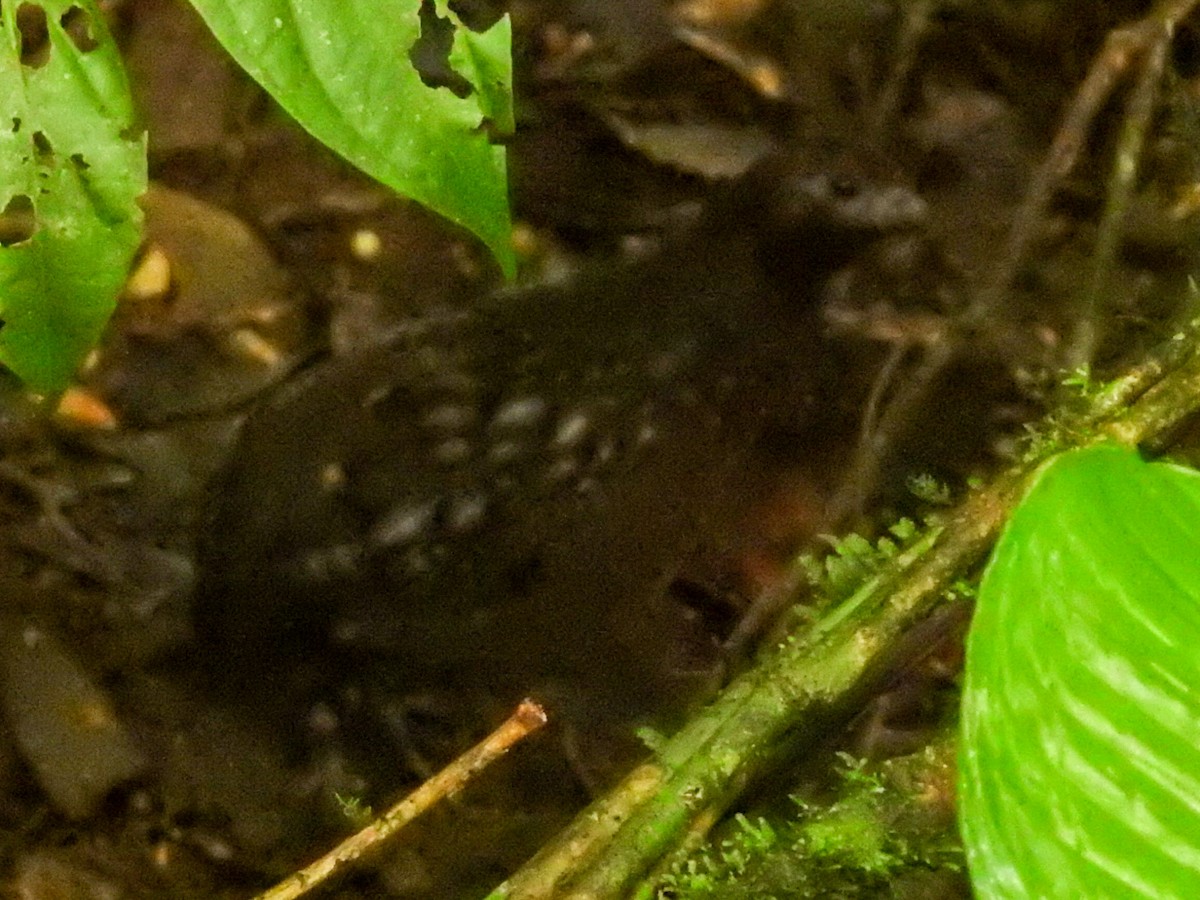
x,y
528,718
1127,161
916,23
1123,47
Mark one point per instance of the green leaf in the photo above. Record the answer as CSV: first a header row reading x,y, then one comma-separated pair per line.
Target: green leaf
x,y
1080,755
342,69
71,173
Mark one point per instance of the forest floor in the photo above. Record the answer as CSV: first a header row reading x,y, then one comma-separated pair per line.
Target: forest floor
x,y
265,254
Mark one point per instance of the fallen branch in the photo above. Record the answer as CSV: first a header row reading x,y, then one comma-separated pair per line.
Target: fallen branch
x,y
527,719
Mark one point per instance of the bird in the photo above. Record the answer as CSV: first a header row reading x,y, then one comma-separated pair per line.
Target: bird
x,y
507,489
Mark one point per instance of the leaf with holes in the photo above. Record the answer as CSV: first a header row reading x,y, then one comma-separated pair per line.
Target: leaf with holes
x,y
72,171
347,70
1080,754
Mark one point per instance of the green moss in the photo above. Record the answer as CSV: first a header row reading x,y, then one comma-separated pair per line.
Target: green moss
x,y
877,832
852,560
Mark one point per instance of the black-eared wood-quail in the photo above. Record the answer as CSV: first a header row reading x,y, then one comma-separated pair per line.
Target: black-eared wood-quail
x,y
508,491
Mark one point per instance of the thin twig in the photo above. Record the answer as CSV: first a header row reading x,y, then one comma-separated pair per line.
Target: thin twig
x,y
912,31
528,718
861,475
1126,162
1121,48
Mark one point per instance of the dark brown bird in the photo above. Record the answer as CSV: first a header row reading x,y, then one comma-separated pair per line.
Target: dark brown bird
x,y
508,491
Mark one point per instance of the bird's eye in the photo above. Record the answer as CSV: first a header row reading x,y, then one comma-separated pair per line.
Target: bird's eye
x,y
844,187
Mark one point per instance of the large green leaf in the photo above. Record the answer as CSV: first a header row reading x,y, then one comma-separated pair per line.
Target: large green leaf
x,y
1080,756
71,167
342,69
